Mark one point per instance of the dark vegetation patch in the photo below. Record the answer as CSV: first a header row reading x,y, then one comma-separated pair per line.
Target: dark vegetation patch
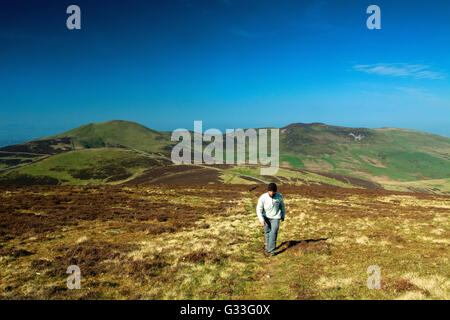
x,y
112,170
317,246
89,256
119,177
14,161
25,179
351,180
218,192
14,252
178,174
50,146
250,179
402,285
271,179
220,166
332,192
301,292
387,236
98,173
204,256
152,228
17,155
138,162
41,210
143,270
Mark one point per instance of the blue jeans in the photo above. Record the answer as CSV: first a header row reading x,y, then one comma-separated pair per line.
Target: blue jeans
x,y
271,232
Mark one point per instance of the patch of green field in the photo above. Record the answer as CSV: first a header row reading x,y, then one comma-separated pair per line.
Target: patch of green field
x,y
331,161
246,170
285,176
89,166
400,155
439,186
294,161
233,178
309,178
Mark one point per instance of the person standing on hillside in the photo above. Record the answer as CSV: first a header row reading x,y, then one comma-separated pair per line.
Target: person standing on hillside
x,y
270,210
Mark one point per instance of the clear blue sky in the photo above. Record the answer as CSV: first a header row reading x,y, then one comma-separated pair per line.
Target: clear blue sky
x,y
230,63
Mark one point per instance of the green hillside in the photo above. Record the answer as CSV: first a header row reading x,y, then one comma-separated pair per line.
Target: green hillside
x,y
80,167
118,133
376,154
115,151
19,155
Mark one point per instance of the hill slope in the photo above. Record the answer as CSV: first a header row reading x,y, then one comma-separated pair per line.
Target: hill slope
x,y
375,154
80,167
397,159
118,133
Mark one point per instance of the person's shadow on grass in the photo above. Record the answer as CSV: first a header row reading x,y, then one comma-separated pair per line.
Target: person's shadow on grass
x,y
292,243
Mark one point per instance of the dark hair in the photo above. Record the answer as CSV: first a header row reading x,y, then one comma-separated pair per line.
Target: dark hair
x,y
272,187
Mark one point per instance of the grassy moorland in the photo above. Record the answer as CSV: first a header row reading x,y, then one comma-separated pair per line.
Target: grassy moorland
x,y
204,242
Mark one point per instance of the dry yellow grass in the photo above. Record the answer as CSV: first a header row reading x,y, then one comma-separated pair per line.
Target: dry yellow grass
x,y
204,242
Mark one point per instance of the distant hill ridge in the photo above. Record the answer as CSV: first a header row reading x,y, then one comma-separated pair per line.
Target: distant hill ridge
x,y
117,133
383,155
